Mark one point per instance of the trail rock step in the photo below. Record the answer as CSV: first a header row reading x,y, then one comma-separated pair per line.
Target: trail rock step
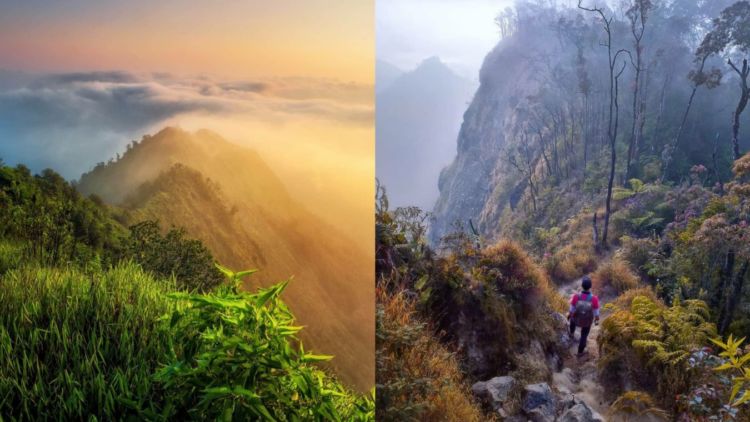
x,y
539,402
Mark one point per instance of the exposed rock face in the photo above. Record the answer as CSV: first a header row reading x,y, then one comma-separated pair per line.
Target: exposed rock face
x,y
539,403
495,392
480,183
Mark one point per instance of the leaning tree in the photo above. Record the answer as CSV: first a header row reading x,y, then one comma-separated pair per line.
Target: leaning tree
x,y
730,34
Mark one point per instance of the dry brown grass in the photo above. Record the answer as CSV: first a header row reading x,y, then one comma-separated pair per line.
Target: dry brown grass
x,y
409,354
614,276
572,260
512,270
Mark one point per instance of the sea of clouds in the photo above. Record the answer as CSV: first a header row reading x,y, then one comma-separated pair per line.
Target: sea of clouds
x,y
70,121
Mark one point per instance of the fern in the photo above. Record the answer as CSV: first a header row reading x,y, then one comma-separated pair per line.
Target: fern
x,y
649,338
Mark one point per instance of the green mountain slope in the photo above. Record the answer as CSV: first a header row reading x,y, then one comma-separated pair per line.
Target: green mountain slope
x,y
226,196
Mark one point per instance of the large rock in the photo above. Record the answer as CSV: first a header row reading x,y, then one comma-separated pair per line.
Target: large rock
x,y
578,413
495,392
574,409
539,402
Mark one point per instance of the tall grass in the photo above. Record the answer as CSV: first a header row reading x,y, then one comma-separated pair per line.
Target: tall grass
x,y
118,344
75,345
11,255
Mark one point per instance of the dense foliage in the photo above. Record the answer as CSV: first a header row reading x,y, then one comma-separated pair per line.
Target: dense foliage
x,y
647,342
44,219
172,254
232,355
56,224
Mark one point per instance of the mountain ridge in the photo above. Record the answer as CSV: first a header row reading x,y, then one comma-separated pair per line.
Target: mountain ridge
x,y
226,196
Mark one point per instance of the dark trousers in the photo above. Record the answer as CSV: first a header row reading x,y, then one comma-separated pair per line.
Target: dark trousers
x,y
584,335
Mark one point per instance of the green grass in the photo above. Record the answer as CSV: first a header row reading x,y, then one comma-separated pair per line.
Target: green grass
x,y
76,345
118,344
11,255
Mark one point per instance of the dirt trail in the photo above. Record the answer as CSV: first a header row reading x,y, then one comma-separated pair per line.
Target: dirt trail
x,y
579,375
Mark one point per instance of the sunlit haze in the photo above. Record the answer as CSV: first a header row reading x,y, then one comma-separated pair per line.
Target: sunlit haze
x,y
294,80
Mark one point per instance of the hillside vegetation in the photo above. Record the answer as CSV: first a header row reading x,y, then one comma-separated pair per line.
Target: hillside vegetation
x,y
106,322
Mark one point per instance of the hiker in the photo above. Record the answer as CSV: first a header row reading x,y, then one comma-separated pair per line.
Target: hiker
x,y
584,309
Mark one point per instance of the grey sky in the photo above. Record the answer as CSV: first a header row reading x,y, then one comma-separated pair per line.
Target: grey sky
x,y
460,32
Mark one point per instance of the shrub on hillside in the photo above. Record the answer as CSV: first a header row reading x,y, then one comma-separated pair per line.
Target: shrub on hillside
x,y
638,252
614,275
720,384
496,301
625,300
92,345
232,357
506,267
572,260
173,254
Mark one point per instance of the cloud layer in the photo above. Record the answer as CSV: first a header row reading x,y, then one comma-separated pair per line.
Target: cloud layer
x,y
69,121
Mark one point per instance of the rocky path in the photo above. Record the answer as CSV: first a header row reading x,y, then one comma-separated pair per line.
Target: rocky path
x,y
578,378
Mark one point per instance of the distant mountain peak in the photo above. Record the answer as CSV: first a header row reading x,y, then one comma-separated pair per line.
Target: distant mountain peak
x,y
385,74
432,61
433,64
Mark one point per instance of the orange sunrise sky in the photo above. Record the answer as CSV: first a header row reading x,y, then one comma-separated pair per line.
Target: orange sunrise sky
x,y
293,80
312,38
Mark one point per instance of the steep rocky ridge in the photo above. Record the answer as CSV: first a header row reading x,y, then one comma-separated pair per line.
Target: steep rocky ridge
x,y
479,183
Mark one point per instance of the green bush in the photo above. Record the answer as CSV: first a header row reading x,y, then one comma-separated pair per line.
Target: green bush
x,y
59,224
173,254
232,357
647,345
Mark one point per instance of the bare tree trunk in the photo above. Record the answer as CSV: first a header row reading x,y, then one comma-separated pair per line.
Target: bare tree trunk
x,y
714,159
636,114
669,150
613,110
637,15
613,159
662,100
596,233
586,133
642,117
733,297
744,96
